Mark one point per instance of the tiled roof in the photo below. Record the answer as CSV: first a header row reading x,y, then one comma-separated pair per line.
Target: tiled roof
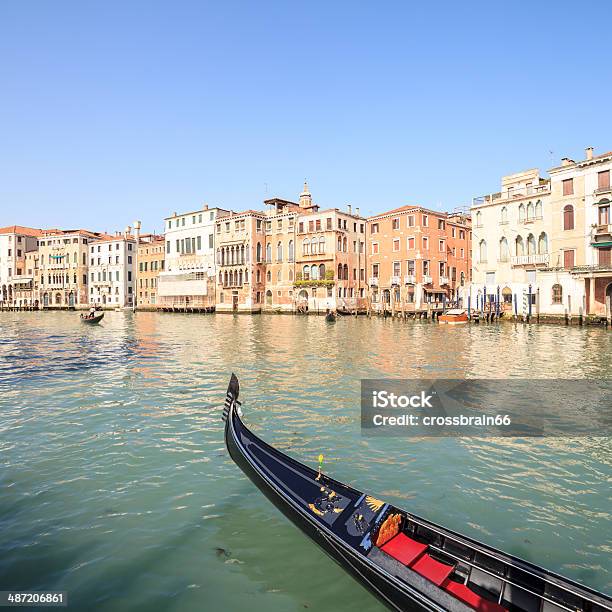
x,y
20,229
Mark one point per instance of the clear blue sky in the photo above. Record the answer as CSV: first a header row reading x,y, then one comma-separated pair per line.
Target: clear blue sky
x,y
113,111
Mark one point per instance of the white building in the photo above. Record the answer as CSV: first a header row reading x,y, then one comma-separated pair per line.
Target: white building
x,y
189,276
15,242
112,269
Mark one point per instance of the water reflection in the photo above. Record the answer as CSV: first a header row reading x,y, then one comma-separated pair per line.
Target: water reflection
x,y
117,487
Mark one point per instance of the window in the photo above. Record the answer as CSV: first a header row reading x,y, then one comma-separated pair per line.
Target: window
x,y
604,214
322,244
531,245
441,246
301,226
374,228
603,179
605,258
490,278
396,244
329,223
521,213
397,268
519,246
410,243
318,225
425,221
279,251
375,248
482,251
395,223
410,221
504,216
441,224
568,258
258,252
375,270
557,294
503,249
478,219
538,209
543,243
568,217
530,214
426,267
425,242
461,234
410,267
568,187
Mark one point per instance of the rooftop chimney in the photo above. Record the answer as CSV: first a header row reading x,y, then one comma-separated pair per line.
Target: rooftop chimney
x,y
589,153
349,209
566,161
205,207
357,211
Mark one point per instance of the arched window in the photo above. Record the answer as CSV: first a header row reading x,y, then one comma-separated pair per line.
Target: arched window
x,y
507,295
504,215
557,294
543,243
246,275
231,278
268,252
519,246
279,251
538,209
568,217
314,272
279,276
291,254
521,212
482,251
322,271
346,273
478,219
306,272
531,245
344,245
225,278
240,278
462,279
339,243
306,246
268,297
291,275
529,211
242,254
259,252
247,250
322,244
503,249
313,246
339,271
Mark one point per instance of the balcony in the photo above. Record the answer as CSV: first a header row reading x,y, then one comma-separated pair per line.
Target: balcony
x,y
409,279
427,280
533,191
395,280
603,230
444,280
540,259
602,190
373,281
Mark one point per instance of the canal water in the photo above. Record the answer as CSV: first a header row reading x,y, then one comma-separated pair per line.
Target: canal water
x,y
115,485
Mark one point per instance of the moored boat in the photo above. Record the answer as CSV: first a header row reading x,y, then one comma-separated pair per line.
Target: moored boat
x,y
92,320
454,316
408,562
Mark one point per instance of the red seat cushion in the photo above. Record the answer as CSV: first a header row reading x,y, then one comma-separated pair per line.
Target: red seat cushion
x,y
466,595
431,569
404,549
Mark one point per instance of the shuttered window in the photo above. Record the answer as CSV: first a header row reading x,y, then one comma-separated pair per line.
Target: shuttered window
x,y
568,259
603,179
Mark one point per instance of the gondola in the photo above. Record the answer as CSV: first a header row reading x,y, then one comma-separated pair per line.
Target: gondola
x,y
330,317
408,562
342,312
92,320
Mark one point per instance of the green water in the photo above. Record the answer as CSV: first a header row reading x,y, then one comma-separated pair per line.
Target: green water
x,y
116,486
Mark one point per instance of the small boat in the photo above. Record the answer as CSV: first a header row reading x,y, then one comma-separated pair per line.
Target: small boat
x,y
454,316
92,320
408,562
330,317
343,312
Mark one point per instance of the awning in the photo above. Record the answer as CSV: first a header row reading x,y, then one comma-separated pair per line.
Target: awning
x,y
601,244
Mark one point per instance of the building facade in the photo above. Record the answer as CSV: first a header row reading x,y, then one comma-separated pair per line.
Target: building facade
x,y
240,256
15,242
112,266
189,278
417,257
151,262
63,267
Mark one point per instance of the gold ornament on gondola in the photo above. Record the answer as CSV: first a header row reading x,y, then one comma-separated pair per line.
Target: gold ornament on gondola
x,y
374,504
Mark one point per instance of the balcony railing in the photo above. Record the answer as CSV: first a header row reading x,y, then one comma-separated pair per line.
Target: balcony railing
x,y
427,280
409,279
603,230
444,280
395,280
534,259
604,189
513,194
373,281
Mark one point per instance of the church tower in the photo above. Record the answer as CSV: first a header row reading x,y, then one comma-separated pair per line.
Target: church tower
x,y
305,197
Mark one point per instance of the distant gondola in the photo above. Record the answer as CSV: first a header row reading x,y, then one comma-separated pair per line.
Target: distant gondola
x,y
92,320
330,317
408,562
343,312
